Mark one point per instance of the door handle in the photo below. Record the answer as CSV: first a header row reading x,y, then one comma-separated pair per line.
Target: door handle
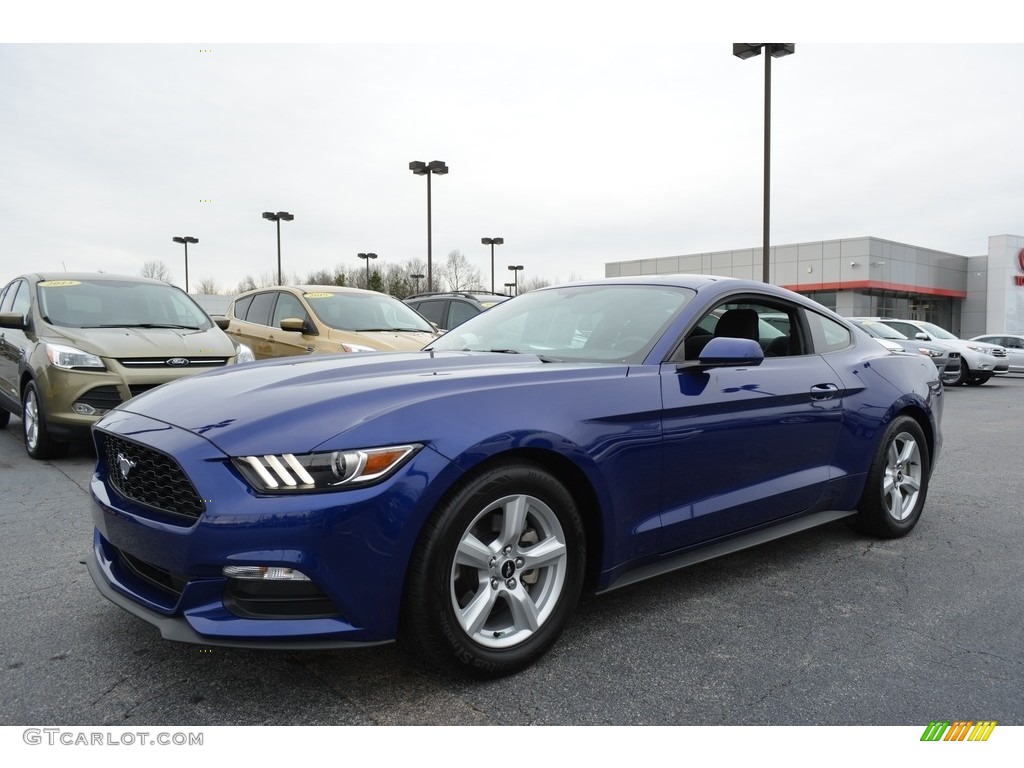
x,y
824,391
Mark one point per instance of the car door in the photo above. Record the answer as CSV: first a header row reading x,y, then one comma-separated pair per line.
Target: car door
x,y
13,341
254,329
288,343
746,445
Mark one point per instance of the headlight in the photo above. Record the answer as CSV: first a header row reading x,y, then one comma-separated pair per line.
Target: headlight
x,y
322,471
244,354
356,348
70,357
929,352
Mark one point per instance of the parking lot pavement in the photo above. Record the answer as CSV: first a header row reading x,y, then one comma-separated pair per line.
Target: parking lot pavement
x,y
822,628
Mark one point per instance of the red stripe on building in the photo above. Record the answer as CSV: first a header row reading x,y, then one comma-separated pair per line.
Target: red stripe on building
x,y
879,285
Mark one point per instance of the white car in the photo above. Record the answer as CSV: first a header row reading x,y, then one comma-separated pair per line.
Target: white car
x,y
1013,344
979,361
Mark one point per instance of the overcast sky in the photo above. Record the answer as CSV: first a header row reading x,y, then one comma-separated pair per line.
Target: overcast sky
x,y
577,153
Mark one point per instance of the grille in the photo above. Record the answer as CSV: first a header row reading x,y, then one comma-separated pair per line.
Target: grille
x,y
164,580
161,362
138,389
999,352
101,398
149,477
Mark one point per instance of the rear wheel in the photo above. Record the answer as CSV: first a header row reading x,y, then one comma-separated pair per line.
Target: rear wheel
x,y
496,574
897,482
38,441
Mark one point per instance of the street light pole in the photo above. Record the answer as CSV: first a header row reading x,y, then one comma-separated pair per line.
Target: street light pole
x,y
278,217
186,240
492,241
417,278
773,51
428,169
366,257
515,269
509,287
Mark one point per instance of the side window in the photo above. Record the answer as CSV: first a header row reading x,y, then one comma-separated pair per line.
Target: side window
x,y
906,329
22,302
7,297
261,307
460,312
772,323
828,335
241,307
433,311
288,306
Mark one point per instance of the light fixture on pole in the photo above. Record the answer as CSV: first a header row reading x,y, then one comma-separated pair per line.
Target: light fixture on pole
x,y
366,257
417,278
186,240
509,287
278,217
516,269
492,241
775,51
428,169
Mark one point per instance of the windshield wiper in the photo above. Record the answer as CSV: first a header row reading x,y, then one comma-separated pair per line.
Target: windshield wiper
x,y
145,325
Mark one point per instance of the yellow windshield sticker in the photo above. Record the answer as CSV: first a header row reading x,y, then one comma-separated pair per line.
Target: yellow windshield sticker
x,y
319,295
58,283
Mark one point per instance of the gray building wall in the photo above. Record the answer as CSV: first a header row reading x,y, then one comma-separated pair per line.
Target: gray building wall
x,y
970,295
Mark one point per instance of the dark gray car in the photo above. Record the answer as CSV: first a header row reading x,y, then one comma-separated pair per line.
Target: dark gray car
x,y
946,359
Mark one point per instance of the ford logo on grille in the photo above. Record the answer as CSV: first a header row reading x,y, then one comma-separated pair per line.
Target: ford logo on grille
x,y
178,361
125,465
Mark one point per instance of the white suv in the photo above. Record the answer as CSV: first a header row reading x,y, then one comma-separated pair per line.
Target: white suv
x,y
979,361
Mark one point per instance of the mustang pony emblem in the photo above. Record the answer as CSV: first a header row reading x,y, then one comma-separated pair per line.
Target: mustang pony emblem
x,y
125,464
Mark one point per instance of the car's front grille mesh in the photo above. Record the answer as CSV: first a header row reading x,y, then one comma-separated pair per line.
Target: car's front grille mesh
x,y
149,477
101,398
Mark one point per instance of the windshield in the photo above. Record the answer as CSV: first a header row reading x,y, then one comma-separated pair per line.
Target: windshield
x,y
365,312
597,323
882,330
100,303
938,333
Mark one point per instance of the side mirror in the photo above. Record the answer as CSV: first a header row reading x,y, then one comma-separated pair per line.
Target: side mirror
x,y
293,325
922,336
221,322
14,320
724,352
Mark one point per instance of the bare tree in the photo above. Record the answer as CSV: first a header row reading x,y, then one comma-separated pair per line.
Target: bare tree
x,y
459,274
208,287
533,283
262,280
157,270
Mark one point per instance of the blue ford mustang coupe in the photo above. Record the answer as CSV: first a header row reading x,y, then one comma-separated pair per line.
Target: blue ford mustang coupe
x,y
461,498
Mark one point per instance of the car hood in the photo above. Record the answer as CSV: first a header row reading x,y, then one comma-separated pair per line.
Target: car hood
x,y
385,341
294,405
121,343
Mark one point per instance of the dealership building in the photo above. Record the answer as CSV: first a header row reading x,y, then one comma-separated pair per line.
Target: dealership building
x,y
869,276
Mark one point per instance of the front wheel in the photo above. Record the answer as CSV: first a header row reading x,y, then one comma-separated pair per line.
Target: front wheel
x,y
978,379
496,574
38,441
897,482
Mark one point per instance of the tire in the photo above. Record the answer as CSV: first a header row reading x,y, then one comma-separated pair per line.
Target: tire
x,y
5,417
897,483
473,603
38,442
978,379
964,377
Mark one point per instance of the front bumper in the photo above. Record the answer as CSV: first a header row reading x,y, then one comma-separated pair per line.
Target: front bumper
x,y
168,568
